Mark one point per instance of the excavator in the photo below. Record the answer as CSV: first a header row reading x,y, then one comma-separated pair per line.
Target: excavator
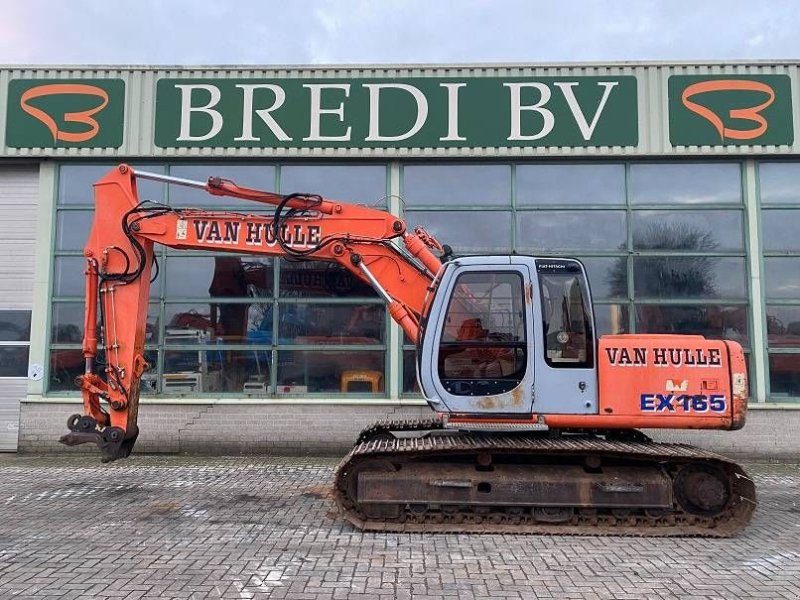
x,y
536,419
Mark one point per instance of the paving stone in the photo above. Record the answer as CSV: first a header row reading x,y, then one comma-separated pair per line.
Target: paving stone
x,y
192,528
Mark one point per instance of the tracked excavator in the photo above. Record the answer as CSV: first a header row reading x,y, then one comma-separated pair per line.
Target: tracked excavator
x,y
536,420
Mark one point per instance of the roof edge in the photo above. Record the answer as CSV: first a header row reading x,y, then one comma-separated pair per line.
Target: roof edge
x,y
425,66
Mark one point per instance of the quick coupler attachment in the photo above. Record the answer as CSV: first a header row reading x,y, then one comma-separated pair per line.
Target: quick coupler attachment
x,y
112,441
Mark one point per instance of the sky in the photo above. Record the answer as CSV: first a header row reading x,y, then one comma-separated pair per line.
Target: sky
x,y
294,32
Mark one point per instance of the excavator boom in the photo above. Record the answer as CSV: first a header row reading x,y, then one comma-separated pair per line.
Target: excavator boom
x,y
119,263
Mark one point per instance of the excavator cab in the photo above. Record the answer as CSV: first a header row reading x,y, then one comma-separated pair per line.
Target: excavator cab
x,y
510,335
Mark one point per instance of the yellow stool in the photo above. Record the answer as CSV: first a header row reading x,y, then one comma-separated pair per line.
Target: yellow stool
x,y
373,378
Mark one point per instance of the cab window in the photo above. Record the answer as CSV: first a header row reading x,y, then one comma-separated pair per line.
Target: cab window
x,y
482,349
567,320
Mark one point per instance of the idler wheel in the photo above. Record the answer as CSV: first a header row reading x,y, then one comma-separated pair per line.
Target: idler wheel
x,y
702,490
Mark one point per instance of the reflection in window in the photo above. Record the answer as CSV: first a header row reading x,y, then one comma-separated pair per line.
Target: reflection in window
x,y
332,324
784,374
68,363
15,325
608,276
354,184
779,183
259,177
780,229
570,184
75,182
482,348
685,183
65,366
72,229
559,230
218,276
611,319
320,280
466,231
688,231
782,277
68,318
457,185
713,321
689,277
69,277
14,361
67,323
410,383
783,326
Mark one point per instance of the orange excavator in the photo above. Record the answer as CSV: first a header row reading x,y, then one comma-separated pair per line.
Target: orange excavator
x,y
536,420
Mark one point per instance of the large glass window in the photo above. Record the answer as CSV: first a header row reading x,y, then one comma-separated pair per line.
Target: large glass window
x,y
663,243
232,324
780,216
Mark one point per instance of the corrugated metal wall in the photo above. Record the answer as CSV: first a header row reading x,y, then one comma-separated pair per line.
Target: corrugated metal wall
x,y
19,191
140,84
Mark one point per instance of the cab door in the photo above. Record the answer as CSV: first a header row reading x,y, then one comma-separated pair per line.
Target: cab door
x,y
476,355
564,344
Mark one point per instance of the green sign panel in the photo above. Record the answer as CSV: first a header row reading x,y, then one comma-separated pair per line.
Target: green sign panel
x,y
714,110
65,113
388,113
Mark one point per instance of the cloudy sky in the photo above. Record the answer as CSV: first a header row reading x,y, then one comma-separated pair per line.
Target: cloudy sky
x,y
394,31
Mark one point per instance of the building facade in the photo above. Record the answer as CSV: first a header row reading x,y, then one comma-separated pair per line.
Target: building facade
x,y
678,185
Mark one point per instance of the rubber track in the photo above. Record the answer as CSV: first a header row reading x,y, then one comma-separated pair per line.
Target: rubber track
x,y
676,523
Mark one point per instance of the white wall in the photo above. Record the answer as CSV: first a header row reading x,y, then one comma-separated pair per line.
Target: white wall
x,y
19,191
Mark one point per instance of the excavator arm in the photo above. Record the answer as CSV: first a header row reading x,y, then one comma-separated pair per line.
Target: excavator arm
x,y
119,265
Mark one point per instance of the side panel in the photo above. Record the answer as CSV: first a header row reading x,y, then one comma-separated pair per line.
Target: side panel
x,y
680,379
